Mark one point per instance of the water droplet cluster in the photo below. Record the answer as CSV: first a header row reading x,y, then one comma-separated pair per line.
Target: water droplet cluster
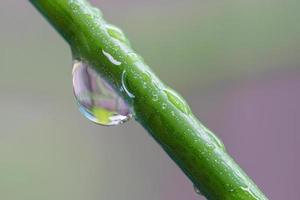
x,y
93,93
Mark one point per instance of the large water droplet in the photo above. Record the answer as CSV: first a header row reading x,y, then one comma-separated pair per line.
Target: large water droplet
x,y
177,101
97,100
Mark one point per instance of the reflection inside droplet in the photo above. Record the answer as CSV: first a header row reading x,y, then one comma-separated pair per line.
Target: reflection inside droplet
x,y
96,99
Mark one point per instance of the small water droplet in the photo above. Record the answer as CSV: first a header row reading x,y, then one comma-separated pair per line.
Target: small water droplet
x,y
134,57
163,106
96,12
173,113
177,101
96,99
154,96
251,192
123,80
144,84
116,33
215,138
111,58
197,190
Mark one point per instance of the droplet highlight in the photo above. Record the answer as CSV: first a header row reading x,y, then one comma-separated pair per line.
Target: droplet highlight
x,y
123,80
96,98
111,58
197,190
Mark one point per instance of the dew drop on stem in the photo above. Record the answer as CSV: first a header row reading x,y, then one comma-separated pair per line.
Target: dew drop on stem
x,y
177,101
197,190
97,100
116,33
111,58
124,86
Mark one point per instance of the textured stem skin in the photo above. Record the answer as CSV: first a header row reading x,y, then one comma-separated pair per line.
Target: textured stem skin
x,y
167,117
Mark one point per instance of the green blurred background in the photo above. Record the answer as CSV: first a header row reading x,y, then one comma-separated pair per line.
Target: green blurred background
x,y
236,62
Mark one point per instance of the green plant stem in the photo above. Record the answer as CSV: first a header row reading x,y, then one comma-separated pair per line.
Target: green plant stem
x,y
197,151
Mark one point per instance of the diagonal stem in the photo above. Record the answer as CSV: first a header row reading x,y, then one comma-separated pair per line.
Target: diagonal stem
x,y
166,116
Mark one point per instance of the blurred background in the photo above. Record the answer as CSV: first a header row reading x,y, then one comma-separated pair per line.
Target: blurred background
x,y
236,62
